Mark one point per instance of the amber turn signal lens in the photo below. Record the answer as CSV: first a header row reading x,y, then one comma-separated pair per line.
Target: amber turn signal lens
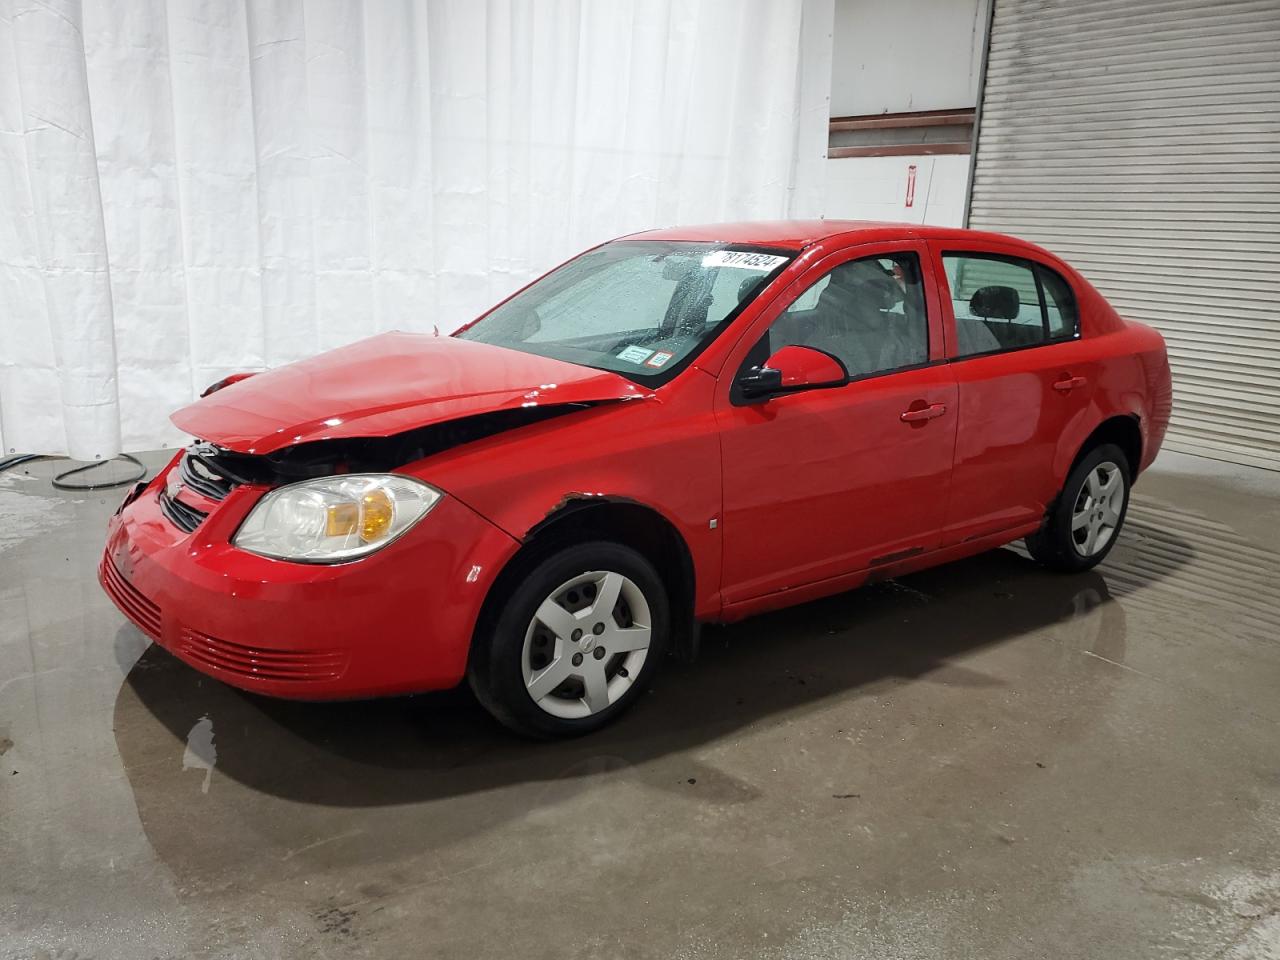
x,y
376,514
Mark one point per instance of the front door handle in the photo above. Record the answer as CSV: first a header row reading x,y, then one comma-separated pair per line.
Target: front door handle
x,y
915,414
1067,384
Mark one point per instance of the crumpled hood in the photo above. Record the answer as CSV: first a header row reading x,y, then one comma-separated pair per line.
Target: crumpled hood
x,y
386,385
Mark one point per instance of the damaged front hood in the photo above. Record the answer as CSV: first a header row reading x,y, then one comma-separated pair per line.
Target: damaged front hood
x,y
386,385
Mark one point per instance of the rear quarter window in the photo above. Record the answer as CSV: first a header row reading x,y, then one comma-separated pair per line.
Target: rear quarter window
x,y
1060,304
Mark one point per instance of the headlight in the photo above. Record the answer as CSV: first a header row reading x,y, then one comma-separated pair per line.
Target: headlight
x,y
336,518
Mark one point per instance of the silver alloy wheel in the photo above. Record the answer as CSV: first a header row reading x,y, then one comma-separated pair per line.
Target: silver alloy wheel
x,y
1098,506
586,644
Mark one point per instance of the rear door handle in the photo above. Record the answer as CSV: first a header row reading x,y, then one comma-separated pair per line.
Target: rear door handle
x,y
924,413
1068,384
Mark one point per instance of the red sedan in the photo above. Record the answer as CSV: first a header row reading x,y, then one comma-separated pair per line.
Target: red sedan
x,y
682,426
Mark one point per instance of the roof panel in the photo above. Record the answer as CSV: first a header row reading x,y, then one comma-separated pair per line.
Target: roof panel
x,y
795,234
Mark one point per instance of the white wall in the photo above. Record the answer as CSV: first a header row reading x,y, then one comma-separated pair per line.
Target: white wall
x,y
194,187
901,56
894,56
875,188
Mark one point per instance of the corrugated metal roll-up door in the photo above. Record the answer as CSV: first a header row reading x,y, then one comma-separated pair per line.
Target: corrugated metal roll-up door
x,y
1140,141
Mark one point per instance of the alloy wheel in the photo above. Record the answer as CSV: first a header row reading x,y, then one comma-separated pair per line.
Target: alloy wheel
x,y
586,644
1096,514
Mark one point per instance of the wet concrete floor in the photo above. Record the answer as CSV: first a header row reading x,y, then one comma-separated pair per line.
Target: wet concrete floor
x,y
984,760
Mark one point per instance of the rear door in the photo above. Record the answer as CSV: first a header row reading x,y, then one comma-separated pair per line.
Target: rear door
x,y
1023,378
831,481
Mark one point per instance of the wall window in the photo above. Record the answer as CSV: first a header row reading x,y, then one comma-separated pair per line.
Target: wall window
x,y
870,313
1003,303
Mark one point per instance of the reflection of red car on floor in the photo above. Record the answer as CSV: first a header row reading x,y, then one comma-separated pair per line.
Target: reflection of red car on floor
x,y
691,424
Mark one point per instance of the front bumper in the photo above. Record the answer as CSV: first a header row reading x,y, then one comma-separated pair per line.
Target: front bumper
x,y
397,621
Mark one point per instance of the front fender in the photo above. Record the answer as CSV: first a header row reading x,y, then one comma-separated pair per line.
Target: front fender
x,y
663,454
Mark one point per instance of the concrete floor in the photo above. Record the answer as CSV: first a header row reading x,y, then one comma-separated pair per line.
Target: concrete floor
x,y
984,760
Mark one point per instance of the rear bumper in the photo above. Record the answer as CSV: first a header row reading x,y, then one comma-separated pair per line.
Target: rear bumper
x,y
398,621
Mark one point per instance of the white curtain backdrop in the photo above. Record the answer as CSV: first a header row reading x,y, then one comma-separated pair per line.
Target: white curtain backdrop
x,y
190,188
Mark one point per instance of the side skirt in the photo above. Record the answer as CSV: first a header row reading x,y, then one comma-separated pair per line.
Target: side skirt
x,y
849,581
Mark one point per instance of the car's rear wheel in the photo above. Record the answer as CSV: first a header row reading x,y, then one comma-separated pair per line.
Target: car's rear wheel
x,y
573,641
1087,518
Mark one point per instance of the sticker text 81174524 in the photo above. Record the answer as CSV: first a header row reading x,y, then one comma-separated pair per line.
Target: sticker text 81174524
x,y
742,260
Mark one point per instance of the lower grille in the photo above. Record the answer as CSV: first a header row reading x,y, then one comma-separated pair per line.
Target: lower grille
x,y
131,602
183,517
255,663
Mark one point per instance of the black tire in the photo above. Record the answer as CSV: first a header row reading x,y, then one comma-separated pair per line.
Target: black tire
x,y
496,671
1056,545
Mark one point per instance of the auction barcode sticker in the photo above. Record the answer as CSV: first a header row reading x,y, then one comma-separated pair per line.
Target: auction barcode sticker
x,y
634,354
743,260
659,358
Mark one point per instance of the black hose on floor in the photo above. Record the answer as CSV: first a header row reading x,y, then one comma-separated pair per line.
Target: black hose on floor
x,y
17,461
59,479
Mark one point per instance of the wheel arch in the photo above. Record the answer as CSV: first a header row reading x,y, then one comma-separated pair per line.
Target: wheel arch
x,y
1124,431
1051,545
583,518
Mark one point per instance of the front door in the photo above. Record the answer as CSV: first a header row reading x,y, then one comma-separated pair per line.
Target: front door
x,y
831,481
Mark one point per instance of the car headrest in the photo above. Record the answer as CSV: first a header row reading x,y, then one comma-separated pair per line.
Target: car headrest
x,y
748,286
995,303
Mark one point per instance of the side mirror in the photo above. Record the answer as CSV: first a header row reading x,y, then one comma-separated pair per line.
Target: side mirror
x,y
792,369
225,382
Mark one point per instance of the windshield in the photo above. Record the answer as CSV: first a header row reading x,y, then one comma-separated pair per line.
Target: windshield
x,y
641,308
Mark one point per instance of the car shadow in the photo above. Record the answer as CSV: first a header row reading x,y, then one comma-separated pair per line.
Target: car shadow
x,y
413,749
336,784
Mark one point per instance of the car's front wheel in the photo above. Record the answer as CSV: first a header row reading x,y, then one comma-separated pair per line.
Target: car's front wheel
x,y
573,642
1087,518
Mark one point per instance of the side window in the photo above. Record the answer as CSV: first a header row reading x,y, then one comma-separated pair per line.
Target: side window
x,y
809,299
870,313
1003,303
